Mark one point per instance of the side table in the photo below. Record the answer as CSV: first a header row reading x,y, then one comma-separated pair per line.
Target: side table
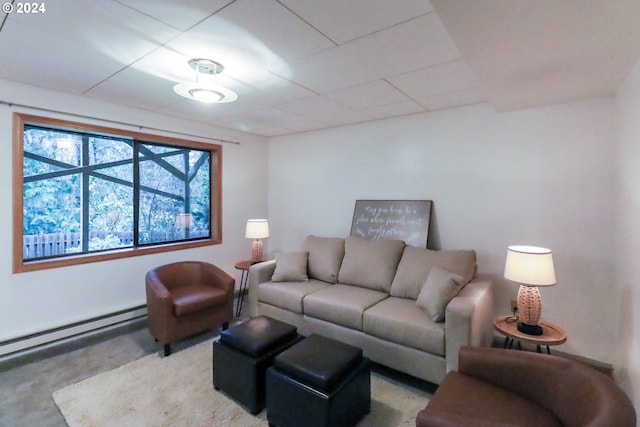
x,y
551,334
244,266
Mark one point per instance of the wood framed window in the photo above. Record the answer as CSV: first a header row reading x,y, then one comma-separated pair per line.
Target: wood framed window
x,y
84,193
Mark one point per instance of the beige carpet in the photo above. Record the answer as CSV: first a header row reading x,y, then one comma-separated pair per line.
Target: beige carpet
x,y
178,391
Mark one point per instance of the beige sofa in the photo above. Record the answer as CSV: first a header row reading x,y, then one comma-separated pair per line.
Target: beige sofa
x,y
408,308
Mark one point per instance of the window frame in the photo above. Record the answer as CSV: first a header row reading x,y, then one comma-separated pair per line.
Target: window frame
x,y
20,265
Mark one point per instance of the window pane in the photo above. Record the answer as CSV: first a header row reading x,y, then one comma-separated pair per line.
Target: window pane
x,y
159,220
107,150
110,215
51,219
110,194
61,149
199,188
85,192
175,194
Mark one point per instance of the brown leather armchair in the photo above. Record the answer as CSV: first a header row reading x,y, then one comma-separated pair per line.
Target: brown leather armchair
x,y
497,387
186,298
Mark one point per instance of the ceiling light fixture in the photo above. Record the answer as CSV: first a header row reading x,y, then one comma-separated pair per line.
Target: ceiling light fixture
x,y
204,91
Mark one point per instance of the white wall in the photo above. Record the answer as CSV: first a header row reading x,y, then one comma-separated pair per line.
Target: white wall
x,y
37,301
627,236
541,176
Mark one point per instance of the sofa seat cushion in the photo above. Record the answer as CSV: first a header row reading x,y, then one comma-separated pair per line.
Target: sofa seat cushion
x,y
401,321
342,304
416,264
461,400
192,298
288,295
370,263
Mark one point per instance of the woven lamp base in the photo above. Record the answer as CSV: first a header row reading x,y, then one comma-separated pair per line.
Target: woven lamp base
x,y
529,309
256,251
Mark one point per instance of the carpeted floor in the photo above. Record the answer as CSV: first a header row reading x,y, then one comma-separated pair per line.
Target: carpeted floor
x,y
28,381
177,390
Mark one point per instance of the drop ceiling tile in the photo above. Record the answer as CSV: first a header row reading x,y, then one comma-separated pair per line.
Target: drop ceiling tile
x,y
246,125
272,89
149,83
198,111
453,99
394,110
276,28
342,21
136,88
173,66
327,71
416,44
368,95
448,77
91,45
284,119
251,37
181,14
325,111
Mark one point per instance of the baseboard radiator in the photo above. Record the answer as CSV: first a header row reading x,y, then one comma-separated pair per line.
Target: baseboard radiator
x,y
51,336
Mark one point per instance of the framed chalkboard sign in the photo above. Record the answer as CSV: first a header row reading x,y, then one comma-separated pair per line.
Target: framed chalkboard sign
x,y
406,220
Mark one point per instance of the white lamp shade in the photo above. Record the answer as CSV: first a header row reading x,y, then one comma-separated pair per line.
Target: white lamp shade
x,y
257,229
184,220
530,265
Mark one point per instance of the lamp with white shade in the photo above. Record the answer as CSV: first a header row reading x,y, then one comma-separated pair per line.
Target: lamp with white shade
x,y
531,267
183,223
257,229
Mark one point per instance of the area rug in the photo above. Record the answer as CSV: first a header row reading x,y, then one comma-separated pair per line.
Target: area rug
x,y
177,391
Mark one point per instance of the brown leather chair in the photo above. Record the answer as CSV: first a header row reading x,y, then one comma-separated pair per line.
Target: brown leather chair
x,y
186,298
497,387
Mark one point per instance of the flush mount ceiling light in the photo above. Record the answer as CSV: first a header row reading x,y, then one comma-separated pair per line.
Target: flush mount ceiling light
x,y
204,91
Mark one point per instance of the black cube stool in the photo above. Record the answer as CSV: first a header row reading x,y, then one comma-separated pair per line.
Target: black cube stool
x,y
318,382
242,355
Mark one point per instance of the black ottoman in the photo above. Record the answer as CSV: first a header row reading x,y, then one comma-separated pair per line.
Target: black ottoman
x,y
318,382
242,355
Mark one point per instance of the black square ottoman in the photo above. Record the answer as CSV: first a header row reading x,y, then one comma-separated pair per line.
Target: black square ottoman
x,y
318,382
242,355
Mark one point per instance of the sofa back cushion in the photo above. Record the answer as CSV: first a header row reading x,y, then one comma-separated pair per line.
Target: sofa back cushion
x,y
416,264
325,257
370,263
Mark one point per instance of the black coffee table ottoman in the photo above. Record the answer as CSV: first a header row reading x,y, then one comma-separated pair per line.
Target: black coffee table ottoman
x,y
318,382
242,355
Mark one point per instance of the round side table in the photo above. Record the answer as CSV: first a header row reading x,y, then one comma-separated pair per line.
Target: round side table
x,y
551,334
244,266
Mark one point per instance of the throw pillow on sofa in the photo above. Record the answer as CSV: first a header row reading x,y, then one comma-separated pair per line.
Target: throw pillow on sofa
x,y
370,263
416,264
325,257
439,289
291,267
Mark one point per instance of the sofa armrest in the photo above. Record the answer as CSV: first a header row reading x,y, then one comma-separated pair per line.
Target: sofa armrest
x,y
159,307
258,273
468,319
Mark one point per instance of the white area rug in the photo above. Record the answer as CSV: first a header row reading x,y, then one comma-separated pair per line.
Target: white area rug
x,y
178,391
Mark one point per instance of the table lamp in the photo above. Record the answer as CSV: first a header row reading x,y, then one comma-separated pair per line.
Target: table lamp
x,y
530,266
183,223
257,229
